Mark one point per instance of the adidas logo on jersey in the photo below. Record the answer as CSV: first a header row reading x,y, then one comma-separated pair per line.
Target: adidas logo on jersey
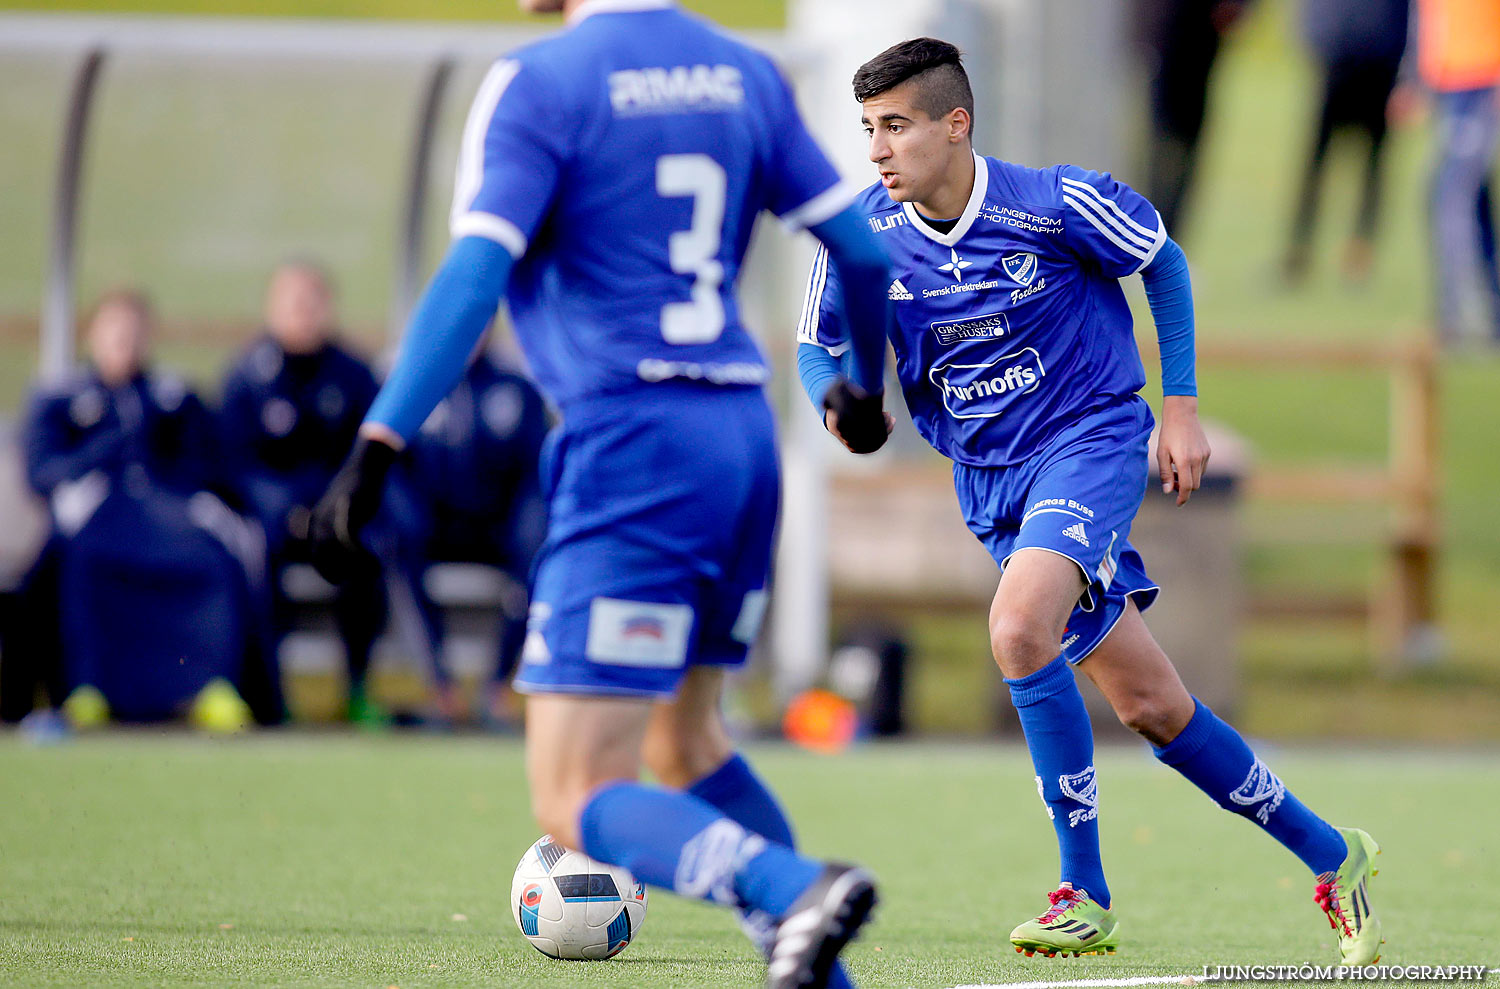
x,y
1075,531
899,292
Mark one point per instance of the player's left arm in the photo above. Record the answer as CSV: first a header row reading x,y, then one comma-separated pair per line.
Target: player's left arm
x,y
1111,225
1182,449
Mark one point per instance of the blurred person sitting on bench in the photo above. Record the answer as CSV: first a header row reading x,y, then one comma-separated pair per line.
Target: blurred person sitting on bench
x,y
157,580
292,403
476,465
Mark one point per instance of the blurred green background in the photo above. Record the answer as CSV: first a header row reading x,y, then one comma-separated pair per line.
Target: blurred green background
x,y
736,13
200,176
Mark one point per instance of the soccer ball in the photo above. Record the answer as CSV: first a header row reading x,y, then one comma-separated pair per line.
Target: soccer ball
x,y
569,906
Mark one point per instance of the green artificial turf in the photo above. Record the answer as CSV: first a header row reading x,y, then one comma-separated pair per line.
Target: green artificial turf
x,y
326,860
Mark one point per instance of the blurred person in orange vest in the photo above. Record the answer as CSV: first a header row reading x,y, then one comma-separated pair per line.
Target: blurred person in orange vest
x,y
1459,59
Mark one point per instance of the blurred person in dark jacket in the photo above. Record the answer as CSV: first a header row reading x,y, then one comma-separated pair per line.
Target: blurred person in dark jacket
x,y
1181,41
155,578
1359,45
476,461
291,405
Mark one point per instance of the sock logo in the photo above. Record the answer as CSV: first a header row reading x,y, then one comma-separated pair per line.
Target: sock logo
x,y
1084,788
712,858
1262,787
1041,792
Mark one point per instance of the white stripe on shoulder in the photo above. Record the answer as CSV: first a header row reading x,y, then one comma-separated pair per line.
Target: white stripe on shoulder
x,y
1091,214
1161,238
470,178
490,227
1108,204
1098,210
817,279
824,206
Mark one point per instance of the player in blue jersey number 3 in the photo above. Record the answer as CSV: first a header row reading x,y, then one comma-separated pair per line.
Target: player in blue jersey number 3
x,y
1016,356
608,179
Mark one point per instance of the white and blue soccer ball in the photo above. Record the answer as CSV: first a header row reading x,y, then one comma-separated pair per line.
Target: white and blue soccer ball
x,y
570,906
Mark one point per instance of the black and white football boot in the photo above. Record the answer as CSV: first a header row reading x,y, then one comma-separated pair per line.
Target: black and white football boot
x,y
827,916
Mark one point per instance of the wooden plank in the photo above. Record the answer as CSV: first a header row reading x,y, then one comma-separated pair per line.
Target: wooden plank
x,y
1320,484
1302,606
1334,355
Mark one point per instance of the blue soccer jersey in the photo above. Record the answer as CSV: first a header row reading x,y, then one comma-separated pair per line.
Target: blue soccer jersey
x,y
624,162
1012,325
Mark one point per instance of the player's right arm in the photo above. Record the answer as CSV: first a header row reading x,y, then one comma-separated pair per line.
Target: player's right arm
x,y
806,191
508,170
823,346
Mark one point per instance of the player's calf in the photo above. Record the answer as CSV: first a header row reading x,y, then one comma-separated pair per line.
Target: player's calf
x,y
1156,716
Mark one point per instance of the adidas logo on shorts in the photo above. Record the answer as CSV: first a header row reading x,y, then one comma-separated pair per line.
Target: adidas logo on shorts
x,y
899,292
1075,531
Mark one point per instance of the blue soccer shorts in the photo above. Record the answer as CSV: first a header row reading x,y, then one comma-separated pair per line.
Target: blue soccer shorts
x,y
662,518
1077,498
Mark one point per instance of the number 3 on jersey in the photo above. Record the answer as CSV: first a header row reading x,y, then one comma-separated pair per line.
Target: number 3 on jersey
x,y
695,251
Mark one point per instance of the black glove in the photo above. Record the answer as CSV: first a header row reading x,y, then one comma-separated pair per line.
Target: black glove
x,y
859,418
351,501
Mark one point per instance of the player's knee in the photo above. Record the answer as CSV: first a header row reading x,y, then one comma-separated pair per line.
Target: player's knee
x,y
1021,645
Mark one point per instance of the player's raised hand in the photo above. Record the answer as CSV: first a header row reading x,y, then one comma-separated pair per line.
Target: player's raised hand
x,y
1182,450
857,420
351,501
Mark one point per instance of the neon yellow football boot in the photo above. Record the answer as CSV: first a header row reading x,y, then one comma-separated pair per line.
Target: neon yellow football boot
x,y
86,708
1073,925
219,709
1344,897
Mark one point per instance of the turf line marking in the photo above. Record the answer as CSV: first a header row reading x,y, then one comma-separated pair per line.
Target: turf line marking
x,y
1144,980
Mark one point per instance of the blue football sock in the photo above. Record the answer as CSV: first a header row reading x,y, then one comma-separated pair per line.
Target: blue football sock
x,y
675,841
740,795
1061,740
1217,761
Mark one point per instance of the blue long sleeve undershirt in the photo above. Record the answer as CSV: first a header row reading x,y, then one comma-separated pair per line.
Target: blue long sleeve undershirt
x,y
452,314
859,261
1169,291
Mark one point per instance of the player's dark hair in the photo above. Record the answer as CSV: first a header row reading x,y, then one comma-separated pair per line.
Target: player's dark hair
x,y
937,66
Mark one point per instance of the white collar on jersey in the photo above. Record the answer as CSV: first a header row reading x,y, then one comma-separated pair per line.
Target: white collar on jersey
x,y
966,219
615,7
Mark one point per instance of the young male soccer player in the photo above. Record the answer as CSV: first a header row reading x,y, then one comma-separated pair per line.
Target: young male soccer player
x,y
608,180
1016,357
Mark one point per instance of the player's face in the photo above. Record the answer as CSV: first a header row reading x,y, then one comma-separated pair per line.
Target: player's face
x,y
117,342
912,150
299,310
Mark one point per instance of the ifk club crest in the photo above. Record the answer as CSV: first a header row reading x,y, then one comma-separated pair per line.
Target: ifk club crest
x,y
1021,268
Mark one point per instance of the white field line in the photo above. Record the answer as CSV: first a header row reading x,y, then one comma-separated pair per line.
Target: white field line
x,y
1143,980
